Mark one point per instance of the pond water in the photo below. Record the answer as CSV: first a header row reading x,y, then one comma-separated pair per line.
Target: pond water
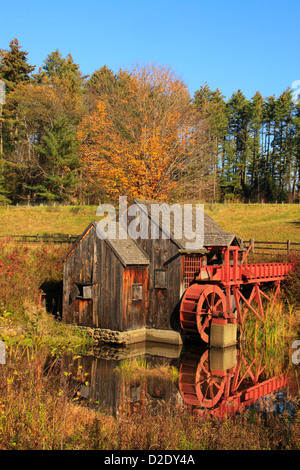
x,y
211,381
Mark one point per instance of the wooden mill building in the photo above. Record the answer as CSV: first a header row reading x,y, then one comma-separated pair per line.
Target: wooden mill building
x,y
129,290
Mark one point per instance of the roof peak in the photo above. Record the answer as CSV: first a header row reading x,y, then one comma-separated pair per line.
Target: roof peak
x,y
213,233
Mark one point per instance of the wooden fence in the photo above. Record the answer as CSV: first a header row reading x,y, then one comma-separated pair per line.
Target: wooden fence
x,y
271,248
258,247
68,239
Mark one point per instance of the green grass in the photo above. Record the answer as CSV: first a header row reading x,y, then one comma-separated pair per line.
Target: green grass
x,y
263,222
60,220
36,411
274,222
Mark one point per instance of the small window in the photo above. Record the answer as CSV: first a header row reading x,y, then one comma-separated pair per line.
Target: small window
x,y
160,279
81,291
137,292
86,292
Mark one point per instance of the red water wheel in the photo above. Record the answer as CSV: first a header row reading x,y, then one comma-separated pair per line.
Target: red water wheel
x,y
200,303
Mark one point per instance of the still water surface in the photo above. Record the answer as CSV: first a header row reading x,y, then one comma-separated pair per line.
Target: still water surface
x,y
218,382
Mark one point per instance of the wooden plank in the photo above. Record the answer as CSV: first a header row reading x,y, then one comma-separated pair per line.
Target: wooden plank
x,y
79,266
111,290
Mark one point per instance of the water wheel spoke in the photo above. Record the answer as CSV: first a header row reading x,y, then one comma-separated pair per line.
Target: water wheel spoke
x,y
217,305
212,391
216,384
213,298
204,372
203,311
209,392
207,301
211,301
205,323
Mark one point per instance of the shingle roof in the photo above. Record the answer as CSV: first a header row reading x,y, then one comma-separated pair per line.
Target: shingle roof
x,y
214,235
130,253
127,250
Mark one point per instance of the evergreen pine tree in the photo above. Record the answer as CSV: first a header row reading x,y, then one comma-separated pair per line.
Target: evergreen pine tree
x,y
211,107
14,67
239,117
59,160
256,109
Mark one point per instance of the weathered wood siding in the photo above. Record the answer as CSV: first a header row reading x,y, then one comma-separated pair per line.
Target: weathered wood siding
x,y
81,267
119,294
164,256
135,297
111,287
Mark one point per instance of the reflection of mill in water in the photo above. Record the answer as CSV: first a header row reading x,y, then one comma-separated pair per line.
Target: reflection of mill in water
x,y
215,381
123,393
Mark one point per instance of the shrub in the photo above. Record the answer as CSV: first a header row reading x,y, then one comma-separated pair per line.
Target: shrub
x,y
291,285
24,269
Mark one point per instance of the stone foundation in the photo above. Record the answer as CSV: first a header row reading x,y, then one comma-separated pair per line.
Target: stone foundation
x,y
101,335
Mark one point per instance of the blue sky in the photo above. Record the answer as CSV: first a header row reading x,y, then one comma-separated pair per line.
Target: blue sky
x,y
248,45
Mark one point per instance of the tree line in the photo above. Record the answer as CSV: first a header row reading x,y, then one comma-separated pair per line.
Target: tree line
x,y
84,139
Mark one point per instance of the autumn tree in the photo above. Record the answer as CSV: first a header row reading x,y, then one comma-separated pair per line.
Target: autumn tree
x,y
134,142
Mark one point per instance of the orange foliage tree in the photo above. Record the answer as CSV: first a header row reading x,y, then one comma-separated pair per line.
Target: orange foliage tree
x,y
134,142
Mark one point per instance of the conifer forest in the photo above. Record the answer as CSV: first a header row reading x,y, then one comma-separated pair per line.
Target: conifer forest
x,y
75,139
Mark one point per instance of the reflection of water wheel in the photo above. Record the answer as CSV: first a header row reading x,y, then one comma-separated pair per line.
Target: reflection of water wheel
x,y
200,303
209,388
187,381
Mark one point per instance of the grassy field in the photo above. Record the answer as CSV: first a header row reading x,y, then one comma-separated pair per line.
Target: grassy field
x,y
66,220
266,222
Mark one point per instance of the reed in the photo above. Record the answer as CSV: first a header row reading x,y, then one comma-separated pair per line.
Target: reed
x,y
280,321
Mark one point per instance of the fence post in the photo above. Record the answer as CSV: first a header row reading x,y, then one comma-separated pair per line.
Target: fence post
x,y
288,246
252,243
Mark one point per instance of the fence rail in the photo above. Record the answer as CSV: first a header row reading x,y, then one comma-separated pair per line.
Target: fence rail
x,y
260,247
68,239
